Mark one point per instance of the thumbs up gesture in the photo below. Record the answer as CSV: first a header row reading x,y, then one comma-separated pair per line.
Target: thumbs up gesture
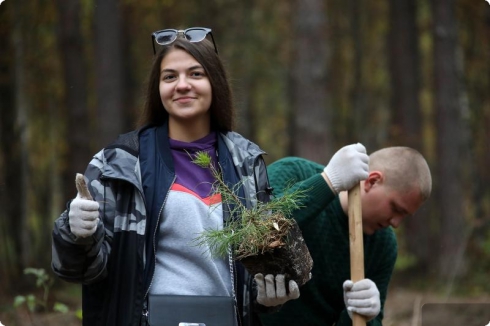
x,y
84,211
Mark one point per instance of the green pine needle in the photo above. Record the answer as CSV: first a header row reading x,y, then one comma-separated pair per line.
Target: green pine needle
x,y
252,231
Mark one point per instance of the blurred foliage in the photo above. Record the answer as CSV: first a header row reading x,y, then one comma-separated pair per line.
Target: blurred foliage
x,y
35,304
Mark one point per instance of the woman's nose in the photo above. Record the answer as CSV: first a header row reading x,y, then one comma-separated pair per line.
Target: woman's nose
x,y
182,84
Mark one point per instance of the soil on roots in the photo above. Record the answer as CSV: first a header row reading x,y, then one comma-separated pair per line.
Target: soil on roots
x,y
292,259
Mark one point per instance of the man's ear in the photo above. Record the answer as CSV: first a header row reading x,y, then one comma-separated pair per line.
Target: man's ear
x,y
375,178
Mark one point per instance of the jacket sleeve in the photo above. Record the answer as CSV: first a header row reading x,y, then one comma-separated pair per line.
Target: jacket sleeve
x,y
264,189
297,174
83,260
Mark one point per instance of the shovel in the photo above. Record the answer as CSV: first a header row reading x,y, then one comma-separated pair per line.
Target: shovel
x,y
356,244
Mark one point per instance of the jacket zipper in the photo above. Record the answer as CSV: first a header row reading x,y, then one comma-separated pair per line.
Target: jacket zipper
x,y
145,309
238,318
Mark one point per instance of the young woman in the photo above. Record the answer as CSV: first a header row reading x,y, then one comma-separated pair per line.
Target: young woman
x,y
133,241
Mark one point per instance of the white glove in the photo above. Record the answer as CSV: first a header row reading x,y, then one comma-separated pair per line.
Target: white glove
x,y
362,297
269,294
348,167
84,212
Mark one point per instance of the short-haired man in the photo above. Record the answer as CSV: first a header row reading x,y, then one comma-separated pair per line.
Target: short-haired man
x,y
395,181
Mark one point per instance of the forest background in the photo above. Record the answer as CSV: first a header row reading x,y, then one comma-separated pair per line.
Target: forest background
x,y
309,76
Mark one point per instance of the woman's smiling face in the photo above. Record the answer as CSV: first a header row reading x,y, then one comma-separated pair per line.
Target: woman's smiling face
x,y
185,89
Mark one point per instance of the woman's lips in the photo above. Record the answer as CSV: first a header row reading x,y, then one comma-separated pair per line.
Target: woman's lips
x,y
185,99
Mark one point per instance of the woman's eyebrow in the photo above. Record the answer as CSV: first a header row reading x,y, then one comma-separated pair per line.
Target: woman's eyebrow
x,y
195,67
190,68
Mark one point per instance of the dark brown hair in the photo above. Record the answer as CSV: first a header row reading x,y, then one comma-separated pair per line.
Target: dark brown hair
x,y
221,110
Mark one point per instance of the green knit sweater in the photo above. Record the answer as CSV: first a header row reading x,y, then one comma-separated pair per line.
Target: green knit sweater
x,y
326,232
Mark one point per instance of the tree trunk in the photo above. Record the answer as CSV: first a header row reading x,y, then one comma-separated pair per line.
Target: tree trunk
x,y
450,129
357,97
243,59
405,76
10,162
109,63
78,129
406,127
312,122
22,105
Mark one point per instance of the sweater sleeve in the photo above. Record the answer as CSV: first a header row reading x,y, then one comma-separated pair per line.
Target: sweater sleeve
x,y
293,173
380,257
381,265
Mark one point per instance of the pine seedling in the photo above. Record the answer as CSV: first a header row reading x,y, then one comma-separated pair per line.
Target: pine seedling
x,y
249,231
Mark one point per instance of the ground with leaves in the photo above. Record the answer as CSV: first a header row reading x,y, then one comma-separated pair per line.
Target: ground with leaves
x,y
21,316
403,308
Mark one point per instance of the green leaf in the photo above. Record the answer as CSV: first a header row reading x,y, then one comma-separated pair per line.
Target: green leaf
x,y
79,314
61,307
35,271
31,302
19,300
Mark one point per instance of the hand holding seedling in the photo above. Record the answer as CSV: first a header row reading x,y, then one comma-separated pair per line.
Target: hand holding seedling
x,y
271,291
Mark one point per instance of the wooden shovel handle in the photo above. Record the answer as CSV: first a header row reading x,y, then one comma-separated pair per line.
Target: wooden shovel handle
x,y
356,244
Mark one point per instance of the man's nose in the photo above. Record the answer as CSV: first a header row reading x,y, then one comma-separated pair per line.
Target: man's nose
x,y
396,221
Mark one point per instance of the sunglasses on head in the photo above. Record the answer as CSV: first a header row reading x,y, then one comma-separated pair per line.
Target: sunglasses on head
x,y
193,34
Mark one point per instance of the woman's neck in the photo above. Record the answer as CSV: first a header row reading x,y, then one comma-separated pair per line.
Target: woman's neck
x,y
188,131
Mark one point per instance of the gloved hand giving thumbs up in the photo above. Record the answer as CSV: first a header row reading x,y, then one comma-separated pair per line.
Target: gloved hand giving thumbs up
x,y
84,211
